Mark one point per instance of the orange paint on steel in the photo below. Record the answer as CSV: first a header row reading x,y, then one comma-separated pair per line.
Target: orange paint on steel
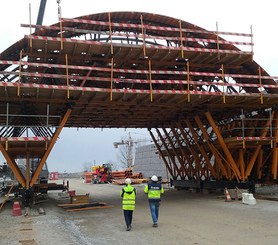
x,y
258,148
160,153
173,150
192,151
184,154
228,154
201,148
177,172
6,196
46,154
212,148
15,169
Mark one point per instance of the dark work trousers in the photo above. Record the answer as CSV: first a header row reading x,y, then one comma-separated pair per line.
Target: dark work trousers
x,y
128,217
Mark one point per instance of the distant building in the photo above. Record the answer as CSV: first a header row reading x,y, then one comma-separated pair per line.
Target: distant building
x,y
148,162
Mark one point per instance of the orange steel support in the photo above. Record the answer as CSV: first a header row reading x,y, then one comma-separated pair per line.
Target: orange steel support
x,y
201,149
53,141
257,150
228,154
173,149
160,152
20,178
184,154
169,153
196,157
212,148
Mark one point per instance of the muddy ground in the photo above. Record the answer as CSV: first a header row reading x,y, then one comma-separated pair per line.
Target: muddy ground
x,y
185,218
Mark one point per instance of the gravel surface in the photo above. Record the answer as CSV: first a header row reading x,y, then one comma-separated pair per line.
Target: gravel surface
x,y
185,218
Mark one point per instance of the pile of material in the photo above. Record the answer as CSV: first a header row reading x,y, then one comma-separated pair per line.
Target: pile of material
x,y
126,174
82,202
118,177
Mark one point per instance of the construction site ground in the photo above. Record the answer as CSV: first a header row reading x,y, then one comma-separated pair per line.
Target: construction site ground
x,y
185,218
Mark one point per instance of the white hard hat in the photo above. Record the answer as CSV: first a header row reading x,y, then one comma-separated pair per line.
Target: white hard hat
x,y
154,178
128,181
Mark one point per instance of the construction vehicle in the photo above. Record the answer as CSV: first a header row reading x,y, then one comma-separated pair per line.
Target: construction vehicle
x,y
100,174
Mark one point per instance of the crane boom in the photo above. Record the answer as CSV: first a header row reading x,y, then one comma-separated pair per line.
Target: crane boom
x,y
41,13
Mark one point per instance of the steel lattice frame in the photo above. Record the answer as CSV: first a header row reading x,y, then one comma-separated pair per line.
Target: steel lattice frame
x,y
213,108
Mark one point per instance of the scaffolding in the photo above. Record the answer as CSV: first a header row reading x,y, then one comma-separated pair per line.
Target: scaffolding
x,y
140,70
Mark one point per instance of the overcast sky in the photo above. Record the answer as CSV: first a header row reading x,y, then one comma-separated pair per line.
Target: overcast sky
x,y
75,147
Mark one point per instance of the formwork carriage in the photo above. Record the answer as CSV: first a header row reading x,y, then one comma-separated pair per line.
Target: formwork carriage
x,y
140,70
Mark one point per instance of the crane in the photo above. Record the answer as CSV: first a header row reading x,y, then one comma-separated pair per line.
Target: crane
x,y
41,13
129,142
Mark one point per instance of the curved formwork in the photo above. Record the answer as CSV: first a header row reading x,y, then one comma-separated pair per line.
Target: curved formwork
x,y
214,109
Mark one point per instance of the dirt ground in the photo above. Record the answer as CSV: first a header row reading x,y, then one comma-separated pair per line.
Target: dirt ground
x,y
185,218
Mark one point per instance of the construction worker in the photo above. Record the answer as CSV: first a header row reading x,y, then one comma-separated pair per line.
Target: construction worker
x,y
128,195
154,189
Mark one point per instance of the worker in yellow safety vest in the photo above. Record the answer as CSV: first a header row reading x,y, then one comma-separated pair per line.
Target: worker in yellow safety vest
x,y
154,189
128,194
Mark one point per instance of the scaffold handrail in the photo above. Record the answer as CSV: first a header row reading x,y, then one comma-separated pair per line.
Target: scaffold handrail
x,y
127,90
159,47
139,35
137,71
150,27
4,139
